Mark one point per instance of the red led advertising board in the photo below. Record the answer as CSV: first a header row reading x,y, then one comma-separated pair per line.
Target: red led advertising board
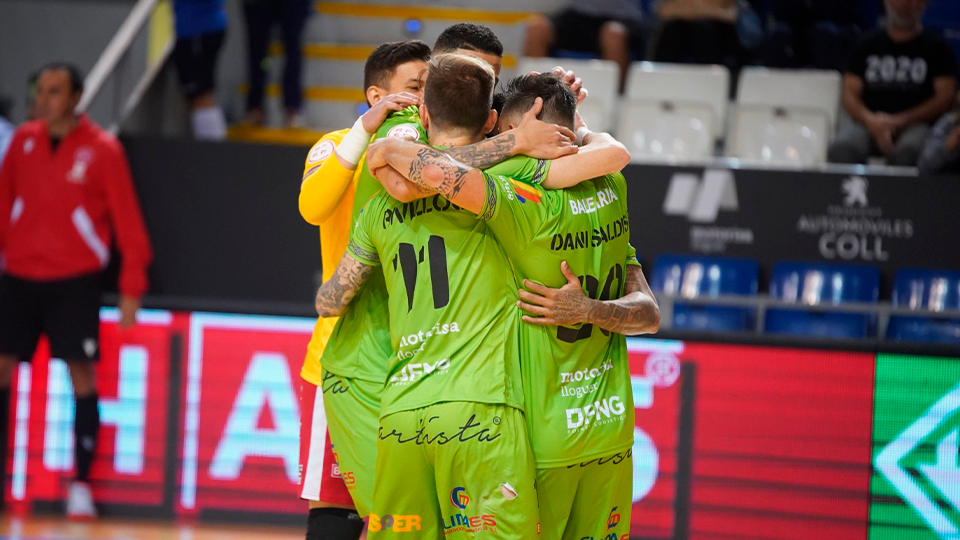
x,y
780,446
201,417
132,379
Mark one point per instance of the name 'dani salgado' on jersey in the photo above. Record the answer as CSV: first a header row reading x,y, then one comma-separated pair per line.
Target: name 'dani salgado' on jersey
x,y
591,237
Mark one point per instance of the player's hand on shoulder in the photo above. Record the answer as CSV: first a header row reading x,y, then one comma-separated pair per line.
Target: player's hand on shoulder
x,y
543,140
378,113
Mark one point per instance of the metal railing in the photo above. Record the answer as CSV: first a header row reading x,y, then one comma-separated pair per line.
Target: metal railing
x,y
761,304
131,51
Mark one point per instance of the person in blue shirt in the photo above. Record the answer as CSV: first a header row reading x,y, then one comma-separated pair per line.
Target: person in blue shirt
x,y
201,26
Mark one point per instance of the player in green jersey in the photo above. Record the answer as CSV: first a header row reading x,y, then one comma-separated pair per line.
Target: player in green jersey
x,y
577,381
453,455
354,360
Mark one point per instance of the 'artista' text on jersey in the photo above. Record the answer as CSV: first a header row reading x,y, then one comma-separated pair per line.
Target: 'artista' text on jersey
x,y
410,210
592,237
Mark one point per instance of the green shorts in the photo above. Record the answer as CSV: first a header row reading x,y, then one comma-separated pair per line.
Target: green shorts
x,y
455,470
353,411
587,500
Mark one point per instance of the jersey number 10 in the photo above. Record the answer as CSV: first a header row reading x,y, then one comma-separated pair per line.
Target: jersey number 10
x,y
409,260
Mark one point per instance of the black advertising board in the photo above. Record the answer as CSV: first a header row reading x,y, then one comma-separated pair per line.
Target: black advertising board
x,y
887,221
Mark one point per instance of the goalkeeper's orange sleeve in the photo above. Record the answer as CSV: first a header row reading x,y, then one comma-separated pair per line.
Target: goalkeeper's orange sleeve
x,y
325,180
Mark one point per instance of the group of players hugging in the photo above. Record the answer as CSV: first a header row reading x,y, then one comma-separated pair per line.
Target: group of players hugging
x,y
469,365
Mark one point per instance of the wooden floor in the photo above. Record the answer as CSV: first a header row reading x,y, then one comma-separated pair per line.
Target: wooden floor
x,y
47,528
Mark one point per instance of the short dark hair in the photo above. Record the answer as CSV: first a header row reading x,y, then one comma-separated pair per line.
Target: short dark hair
x,y
76,79
559,102
469,36
459,92
383,61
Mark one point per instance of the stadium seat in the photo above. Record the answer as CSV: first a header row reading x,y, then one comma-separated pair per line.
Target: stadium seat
x,y
681,84
684,276
931,290
667,132
784,117
813,284
601,77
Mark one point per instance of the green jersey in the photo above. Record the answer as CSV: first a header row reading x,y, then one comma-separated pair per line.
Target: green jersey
x,y
579,402
360,342
453,322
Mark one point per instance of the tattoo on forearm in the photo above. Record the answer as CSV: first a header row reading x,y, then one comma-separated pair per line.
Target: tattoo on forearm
x,y
485,153
339,290
614,316
454,173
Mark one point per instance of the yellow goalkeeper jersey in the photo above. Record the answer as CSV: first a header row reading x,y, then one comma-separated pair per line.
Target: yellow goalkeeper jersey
x,y
327,199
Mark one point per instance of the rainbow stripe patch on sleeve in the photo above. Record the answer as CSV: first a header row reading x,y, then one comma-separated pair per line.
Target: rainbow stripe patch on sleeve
x,y
525,192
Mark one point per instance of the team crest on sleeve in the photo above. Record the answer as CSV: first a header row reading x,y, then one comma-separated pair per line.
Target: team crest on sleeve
x,y
525,192
321,151
404,131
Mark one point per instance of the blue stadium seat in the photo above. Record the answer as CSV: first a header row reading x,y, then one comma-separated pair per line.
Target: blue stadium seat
x,y
922,289
814,284
686,276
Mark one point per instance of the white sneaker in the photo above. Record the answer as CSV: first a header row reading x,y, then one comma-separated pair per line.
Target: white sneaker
x,y
80,502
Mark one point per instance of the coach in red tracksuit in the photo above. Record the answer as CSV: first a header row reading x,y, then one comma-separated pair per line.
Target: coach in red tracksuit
x,y
64,186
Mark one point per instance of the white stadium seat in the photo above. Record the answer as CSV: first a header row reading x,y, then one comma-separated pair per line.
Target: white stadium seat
x,y
673,112
784,117
667,132
600,78
777,136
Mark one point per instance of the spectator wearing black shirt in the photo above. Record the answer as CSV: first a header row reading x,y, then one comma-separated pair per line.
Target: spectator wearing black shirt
x,y
899,80
609,28
812,33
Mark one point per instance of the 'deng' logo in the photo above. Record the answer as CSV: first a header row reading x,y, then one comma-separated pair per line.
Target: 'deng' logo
x,y
411,373
600,412
461,522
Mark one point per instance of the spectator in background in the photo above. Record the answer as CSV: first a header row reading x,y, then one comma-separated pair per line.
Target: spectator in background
x,y
941,152
900,79
201,27
697,32
812,33
261,16
610,29
64,186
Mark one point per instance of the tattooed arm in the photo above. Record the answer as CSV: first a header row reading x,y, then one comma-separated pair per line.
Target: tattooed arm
x,y
429,169
636,312
531,137
337,292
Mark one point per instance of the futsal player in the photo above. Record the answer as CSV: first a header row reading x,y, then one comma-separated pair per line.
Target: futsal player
x,y
581,428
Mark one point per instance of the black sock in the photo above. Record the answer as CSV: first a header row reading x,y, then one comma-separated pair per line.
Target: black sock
x,y
4,429
86,425
334,524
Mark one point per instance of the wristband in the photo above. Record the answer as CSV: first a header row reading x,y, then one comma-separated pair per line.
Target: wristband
x,y
581,134
354,144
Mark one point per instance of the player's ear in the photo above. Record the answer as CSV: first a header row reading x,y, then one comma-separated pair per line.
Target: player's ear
x,y
424,117
374,94
491,121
